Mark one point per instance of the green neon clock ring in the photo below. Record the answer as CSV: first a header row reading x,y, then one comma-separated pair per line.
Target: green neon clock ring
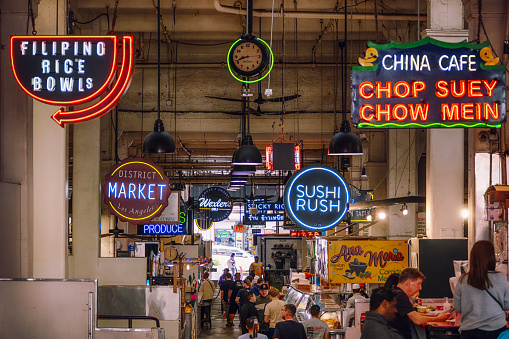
x,y
267,54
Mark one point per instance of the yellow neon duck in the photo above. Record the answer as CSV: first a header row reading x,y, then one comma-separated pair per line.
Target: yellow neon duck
x,y
487,55
370,56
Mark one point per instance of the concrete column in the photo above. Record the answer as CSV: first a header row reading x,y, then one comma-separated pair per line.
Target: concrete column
x,y
445,155
50,168
86,199
402,182
15,154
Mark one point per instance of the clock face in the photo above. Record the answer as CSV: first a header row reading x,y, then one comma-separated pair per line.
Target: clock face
x,y
248,57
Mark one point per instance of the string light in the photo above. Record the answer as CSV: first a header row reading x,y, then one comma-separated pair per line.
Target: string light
x,y
404,209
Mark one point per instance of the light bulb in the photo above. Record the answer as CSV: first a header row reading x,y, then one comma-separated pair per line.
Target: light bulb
x,y
369,217
187,267
405,212
404,209
464,213
381,215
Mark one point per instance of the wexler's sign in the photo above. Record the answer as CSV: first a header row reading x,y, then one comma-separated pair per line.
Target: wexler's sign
x,y
215,204
316,198
428,83
73,70
136,190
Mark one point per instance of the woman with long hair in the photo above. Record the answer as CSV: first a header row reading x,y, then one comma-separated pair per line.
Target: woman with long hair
x,y
482,295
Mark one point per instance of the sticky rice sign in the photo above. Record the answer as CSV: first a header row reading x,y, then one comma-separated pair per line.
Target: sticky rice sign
x,y
428,83
373,261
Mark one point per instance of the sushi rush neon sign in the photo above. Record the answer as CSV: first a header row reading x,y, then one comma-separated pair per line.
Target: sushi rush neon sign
x,y
73,70
428,83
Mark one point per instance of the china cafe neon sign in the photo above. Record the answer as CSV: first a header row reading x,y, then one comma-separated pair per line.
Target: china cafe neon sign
x,y
136,190
428,83
73,70
316,198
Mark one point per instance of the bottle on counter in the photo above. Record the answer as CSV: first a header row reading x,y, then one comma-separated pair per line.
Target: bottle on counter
x,y
447,306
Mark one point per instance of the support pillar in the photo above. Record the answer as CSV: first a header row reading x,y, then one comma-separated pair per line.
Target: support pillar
x,y
445,147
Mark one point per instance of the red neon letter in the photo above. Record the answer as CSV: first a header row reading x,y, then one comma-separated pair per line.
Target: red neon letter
x,y
490,86
493,111
478,110
380,89
454,89
419,110
406,88
466,110
418,86
370,94
386,112
450,113
403,108
474,88
442,89
363,115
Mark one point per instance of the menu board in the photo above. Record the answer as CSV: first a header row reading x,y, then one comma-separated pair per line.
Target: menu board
x,y
365,261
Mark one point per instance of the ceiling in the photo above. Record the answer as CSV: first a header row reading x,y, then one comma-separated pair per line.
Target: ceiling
x,y
195,38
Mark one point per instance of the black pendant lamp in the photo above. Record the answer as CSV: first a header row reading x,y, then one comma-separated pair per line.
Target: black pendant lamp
x,y
345,142
247,153
243,169
159,141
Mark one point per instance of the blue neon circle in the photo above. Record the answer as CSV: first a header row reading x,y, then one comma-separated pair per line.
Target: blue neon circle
x,y
289,189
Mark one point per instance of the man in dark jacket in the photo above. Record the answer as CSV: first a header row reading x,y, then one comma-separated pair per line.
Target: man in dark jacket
x,y
382,309
247,311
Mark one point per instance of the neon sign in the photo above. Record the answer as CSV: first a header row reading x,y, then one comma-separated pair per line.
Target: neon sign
x,y
215,204
72,70
308,234
428,83
136,190
164,229
316,198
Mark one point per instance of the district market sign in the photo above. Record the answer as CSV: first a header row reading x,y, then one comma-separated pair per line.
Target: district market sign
x,y
136,190
428,83
215,204
316,198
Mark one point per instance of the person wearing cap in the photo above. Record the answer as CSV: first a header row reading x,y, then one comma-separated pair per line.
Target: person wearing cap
x,y
256,287
256,268
222,278
279,261
261,301
363,290
356,289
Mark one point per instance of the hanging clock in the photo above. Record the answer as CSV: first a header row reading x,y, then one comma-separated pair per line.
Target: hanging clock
x,y
250,58
170,253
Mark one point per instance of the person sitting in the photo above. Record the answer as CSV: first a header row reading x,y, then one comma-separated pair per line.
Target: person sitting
x,y
382,309
256,287
316,328
252,328
356,289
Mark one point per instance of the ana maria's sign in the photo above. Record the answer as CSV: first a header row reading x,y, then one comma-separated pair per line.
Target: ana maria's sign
x,y
136,190
371,261
72,70
316,198
428,83
215,204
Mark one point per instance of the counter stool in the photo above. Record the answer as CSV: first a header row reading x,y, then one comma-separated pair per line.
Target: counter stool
x,y
205,312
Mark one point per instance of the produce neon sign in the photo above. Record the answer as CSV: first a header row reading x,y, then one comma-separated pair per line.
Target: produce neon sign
x,y
72,70
428,83
136,190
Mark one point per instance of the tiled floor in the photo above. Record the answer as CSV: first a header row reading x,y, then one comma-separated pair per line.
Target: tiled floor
x,y
219,328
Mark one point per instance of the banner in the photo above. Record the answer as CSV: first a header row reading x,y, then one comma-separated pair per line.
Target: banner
x,y
365,261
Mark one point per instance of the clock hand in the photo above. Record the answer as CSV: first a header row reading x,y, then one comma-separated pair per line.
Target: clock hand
x,y
245,56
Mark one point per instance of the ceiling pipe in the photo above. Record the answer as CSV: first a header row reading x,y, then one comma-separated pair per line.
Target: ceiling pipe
x,y
318,15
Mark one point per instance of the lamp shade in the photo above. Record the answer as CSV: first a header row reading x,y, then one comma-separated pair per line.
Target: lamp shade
x,y
345,142
247,154
243,169
159,141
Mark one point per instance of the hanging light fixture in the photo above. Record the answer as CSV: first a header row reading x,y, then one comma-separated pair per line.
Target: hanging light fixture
x,y
404,209
159,141
344,142
247,153
243,169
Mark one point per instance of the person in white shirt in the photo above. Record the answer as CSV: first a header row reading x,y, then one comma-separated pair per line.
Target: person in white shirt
x,y
316,328
356,289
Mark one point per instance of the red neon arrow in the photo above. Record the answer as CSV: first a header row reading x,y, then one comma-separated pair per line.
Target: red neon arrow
x,y
111,99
